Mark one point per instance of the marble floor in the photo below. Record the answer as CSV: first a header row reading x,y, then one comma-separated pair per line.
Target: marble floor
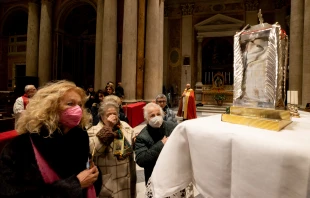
x,y
140,172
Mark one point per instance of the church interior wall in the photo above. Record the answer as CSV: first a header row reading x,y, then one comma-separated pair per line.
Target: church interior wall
x,y
199,11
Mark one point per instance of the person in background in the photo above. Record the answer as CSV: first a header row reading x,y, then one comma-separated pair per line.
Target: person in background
x,y
119,90
187,107
21,102
152,138
111,140
90,97
50,156
109,90
95,106
161,100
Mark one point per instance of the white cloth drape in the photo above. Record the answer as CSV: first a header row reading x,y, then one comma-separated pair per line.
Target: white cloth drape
x,y
228,160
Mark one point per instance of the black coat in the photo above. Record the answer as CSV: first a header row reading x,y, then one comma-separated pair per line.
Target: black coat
x,y
66,154
148,146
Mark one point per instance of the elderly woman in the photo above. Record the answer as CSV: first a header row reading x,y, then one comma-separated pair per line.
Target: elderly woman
x,y
111,143
117,100
151,141
49,157
152,138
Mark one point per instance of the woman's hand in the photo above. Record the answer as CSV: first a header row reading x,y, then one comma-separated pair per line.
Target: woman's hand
x,y
112,120
88,177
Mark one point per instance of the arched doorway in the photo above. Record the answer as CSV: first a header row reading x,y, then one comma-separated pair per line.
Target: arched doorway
x,y
13,40
76,45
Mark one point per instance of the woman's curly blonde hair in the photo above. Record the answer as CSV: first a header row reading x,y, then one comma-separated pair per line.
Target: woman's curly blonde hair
x,y
43,109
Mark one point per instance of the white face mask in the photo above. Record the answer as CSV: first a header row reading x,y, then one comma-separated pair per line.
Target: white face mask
x,y
156,122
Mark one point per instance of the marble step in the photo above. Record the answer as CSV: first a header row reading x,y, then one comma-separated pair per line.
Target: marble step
x,y
213,108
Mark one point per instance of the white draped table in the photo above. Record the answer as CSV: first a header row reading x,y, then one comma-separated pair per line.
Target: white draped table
x,y
227,160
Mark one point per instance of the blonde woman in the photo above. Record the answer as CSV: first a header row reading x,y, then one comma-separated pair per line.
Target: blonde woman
x,y
49,157
111,143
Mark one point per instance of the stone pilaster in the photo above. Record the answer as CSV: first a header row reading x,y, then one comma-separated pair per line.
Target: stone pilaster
x,y
251,12
306,58
45,47
296,47
187,29
198,90
129,59
151,75
98,53
32,39
199,58
109,42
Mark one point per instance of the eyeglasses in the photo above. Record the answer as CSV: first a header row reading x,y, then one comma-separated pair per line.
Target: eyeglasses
x,y
161,101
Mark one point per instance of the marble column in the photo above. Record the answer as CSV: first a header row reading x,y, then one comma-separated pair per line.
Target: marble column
x,y
98,53
306,57
151,75
166,46
32,39
109,42
45,47
140,51
161,46
129,59
296,47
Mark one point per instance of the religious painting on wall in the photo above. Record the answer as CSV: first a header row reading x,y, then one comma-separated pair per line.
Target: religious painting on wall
x,y
217,53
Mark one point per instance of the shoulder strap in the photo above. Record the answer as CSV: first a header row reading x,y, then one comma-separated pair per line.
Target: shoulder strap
x,y
25,100
48,174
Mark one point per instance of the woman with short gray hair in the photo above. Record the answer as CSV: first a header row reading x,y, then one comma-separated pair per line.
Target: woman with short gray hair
x,y
111,143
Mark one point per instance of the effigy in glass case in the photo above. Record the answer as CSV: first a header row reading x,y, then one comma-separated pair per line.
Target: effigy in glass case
x,y
260,65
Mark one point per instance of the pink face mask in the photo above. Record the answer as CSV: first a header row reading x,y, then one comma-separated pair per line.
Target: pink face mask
x,y
71,117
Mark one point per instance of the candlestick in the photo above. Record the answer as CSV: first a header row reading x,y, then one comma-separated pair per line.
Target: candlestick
x,y
288,97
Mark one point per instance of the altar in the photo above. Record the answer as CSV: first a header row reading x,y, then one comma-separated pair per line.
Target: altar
x,y
218,89
231,160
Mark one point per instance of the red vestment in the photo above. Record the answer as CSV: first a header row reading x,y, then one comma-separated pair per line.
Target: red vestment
x,y
188,111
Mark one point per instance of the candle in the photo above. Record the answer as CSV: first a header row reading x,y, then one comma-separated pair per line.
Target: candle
x,y
294,97
288,97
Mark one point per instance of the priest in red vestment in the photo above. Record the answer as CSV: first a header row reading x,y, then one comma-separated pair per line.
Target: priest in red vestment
x,y
187,107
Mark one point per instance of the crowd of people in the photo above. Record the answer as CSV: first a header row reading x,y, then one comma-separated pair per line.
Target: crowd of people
x,y
76,143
